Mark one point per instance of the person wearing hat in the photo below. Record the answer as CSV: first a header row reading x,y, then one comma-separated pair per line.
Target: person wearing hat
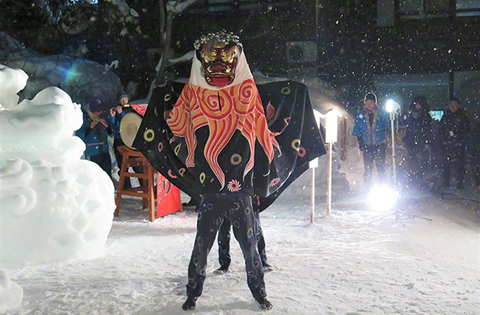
x,y
116,114
474,146
94,132
371,128
418,136
454,131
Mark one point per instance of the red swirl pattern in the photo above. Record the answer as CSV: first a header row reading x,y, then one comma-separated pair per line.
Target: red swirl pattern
x,y
234,108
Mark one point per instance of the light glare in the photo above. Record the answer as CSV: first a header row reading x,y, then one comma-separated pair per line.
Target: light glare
x,y
392,106
382,198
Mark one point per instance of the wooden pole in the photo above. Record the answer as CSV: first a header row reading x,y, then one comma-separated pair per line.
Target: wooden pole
x,y
312,215
329,179
393,149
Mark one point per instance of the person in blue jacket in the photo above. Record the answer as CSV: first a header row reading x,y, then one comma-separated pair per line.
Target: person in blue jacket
x,y
116,114
94,132
371,127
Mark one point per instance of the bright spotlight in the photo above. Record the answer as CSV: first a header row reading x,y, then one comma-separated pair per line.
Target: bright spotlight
x,y
391,106
382,198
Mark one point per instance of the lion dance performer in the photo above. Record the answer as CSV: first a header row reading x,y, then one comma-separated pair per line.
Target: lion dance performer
x,y
213,142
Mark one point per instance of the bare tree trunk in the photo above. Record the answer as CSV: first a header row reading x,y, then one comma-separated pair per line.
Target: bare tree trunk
x,y
161,7
166,38
166,34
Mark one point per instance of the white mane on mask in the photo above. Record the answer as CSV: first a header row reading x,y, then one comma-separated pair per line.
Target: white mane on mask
x,y
242,73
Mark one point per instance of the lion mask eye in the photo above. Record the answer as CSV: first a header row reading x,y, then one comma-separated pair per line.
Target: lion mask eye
x,y
209,56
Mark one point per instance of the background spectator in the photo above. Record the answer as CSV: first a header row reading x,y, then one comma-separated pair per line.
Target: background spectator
x,y
94,132
370,129
474,148
453,131
418,136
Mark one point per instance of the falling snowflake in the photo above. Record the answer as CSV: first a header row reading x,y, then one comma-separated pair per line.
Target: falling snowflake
x,y
234,185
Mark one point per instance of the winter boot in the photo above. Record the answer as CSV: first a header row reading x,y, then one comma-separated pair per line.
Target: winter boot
x,y
264,304
189,304
221,271
267,267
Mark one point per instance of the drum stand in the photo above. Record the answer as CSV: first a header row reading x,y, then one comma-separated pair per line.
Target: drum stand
x,y
132,158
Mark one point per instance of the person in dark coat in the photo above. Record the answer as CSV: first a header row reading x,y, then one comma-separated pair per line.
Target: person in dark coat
x,y
94,132
418,136
116,114
454,131
474,147
371,129
224,243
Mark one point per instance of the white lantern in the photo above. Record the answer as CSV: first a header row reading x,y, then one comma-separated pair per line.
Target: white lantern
x,y
314,163
331,126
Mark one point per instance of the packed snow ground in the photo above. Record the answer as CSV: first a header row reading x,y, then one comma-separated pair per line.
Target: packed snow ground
x,y
425,260
353,261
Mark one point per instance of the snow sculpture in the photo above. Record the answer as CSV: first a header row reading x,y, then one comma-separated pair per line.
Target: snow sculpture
x,y
53,205
11,294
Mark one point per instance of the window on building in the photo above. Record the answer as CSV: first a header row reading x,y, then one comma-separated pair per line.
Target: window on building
x,y
403,88
468,7
423,8
420,9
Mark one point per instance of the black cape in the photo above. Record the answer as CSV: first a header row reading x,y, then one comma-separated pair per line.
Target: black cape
x,y
289,115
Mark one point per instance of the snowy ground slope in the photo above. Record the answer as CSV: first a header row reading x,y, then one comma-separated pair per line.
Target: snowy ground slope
x,y
351,262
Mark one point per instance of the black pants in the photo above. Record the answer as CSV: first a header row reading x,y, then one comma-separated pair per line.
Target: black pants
x,y
476,166
418,163
454,156
104,161
212,211
224,242
371,154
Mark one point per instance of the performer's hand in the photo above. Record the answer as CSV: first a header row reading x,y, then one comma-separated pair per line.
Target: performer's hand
x,y
116,109
93,124
103,122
